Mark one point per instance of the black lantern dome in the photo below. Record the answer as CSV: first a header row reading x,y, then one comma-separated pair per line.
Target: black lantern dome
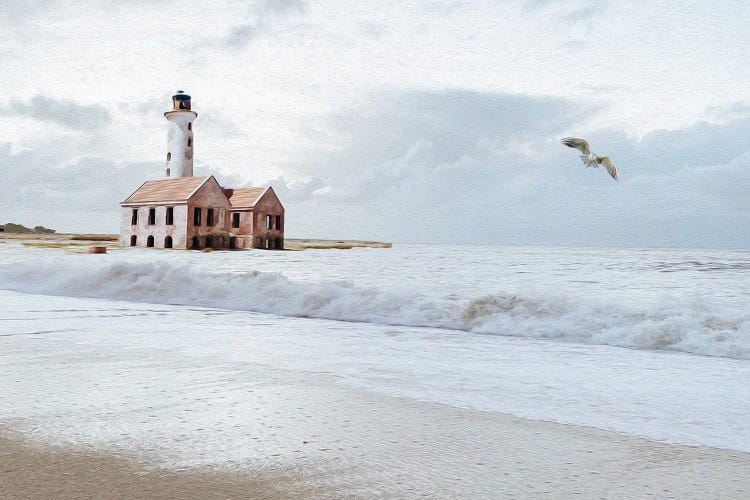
x,y
180,100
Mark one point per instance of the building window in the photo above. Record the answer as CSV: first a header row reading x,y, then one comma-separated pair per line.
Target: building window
x,y
190,141
278,223
236,220
170,216
151,216
269,221
133,240
210,217
168,242
150,241
134,217
167,172
169,156
196,216
190,125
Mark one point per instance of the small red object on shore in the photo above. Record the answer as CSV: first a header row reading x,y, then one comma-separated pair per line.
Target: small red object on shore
x,y
97,250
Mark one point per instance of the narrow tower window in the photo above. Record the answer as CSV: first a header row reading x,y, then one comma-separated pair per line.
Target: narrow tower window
x,y
170,216
190,125
190,141
134,217
169,156
210,217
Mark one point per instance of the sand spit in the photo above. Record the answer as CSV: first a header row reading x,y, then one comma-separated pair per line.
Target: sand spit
x,y
62,240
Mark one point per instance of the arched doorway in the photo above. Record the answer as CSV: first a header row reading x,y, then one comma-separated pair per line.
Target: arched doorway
x,y
150,241
168,242
196,244
209,242
232,242
133,240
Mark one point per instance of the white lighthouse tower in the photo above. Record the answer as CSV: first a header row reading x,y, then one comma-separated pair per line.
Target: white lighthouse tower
x,y
180,138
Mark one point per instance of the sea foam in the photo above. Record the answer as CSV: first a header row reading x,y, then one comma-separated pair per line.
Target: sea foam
x,y
698,326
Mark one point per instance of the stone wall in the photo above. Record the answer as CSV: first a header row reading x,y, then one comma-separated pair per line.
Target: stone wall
x,y
159,230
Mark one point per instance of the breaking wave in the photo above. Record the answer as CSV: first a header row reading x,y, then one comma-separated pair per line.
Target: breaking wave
x,y
696,327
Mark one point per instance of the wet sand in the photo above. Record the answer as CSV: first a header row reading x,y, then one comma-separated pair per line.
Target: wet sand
x,y
34,471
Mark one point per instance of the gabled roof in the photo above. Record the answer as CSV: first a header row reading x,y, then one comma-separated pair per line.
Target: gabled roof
x,y
245,197
178,189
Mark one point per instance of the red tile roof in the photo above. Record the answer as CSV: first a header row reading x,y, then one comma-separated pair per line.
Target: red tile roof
x,y
178,189
245,197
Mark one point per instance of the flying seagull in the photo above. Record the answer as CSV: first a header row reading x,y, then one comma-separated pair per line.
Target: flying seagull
x,y
589,159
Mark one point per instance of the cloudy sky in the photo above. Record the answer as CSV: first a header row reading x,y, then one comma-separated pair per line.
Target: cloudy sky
x,y
424,121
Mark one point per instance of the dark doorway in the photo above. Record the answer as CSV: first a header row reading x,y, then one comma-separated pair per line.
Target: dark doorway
x,y
209,242
150,241
168,242
279,244
133,240
232,242
196,244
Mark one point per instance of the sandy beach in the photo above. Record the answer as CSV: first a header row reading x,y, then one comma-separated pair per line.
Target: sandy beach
x,y
366,445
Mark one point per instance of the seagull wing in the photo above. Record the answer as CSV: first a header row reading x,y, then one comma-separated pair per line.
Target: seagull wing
x,y
579,144
608,164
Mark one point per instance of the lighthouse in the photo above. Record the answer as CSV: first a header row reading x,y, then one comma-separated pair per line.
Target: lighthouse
x,y
183,211
180,137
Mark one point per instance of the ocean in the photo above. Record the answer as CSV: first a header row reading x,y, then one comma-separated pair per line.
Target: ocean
x,y
97,349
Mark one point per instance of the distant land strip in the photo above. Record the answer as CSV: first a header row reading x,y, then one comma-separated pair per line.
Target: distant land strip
x,y
63,240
